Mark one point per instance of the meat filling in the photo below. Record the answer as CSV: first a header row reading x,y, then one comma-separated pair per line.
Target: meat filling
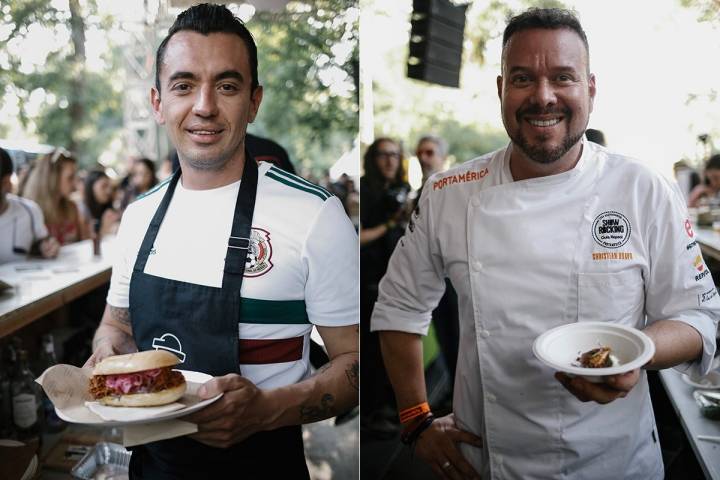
x,y
596,358
146,381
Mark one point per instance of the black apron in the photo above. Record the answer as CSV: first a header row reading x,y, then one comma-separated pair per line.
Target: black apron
x,y
200,324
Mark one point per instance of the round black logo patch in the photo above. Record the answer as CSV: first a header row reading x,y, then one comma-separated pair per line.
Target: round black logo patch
x,y
611,229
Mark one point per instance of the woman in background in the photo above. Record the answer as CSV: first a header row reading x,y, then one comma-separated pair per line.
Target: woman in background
x,y
142,178
383,216
97,207
50,183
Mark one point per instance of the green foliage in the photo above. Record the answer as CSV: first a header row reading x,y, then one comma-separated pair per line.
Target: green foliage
x,y
708,10
296,48
100,102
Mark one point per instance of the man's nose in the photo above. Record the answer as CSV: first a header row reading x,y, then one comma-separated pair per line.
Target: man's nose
x,y
206,102
544,93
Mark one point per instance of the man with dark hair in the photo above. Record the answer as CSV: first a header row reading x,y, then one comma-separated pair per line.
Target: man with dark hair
x,y
230,265
22,227
522,233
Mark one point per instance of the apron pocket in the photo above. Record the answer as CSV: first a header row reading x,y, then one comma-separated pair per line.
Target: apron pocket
x,y
611,297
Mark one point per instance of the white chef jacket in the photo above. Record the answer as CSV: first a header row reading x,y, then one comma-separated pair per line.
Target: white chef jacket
x,y
607,241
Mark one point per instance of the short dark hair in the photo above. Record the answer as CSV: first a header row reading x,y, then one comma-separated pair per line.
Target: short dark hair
x,y
713,162
207,18
545,18
596,136
96,209
6,163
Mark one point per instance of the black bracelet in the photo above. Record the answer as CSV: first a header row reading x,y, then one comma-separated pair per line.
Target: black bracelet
x,y
412,437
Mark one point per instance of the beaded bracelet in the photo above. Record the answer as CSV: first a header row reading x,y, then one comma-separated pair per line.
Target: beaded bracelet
x,y
410,436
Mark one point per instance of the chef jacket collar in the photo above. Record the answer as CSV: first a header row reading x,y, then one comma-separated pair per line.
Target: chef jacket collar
x,y
506,176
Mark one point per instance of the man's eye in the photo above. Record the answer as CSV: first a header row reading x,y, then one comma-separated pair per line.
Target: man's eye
x,y
520,79
228,87
565,78
181,87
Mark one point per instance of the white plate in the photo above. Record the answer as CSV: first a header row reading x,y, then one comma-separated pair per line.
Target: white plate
x,y
711,380
194,381
560,347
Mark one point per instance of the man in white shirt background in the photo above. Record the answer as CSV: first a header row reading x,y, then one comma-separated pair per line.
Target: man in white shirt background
x,y
22,227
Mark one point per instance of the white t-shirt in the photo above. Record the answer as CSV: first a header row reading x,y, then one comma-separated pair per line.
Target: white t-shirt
x,y
21,224
304,248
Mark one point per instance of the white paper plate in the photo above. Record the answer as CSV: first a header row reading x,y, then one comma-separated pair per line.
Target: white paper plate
x,y
560,347
709,381
194,381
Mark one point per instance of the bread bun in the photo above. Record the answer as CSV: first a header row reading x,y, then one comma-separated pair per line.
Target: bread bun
x,y
162,397
135,362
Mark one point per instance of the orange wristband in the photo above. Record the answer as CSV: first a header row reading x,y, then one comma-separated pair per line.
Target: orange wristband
x,y
414,412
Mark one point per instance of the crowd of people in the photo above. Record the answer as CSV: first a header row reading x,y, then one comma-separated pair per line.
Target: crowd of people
x,y
388,203
53,202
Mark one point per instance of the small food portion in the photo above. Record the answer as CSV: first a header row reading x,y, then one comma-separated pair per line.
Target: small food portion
x,y
596,358
142,379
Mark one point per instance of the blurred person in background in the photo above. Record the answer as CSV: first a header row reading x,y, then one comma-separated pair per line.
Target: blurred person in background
x,y
596,136
383,215
142,178
97,206
707,192
431,152
22,227
50,183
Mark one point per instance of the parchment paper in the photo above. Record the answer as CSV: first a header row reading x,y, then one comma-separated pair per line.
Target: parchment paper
x,y
67,388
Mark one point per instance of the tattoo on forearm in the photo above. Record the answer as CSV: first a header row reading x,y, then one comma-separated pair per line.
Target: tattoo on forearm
x,y
99,340
313,413
121,315
324,368
352,374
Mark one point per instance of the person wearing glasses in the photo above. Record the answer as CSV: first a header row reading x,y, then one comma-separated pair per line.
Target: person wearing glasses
x,y
22,228
50,183
384,193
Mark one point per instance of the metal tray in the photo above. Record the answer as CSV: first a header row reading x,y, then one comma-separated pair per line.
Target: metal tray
x,y
105,461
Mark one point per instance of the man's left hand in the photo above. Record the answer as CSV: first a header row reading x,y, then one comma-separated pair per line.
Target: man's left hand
x,y
239,413
612,387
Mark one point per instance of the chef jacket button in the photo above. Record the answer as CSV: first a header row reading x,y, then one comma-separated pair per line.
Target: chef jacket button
x,y
477,265
484,334
491,398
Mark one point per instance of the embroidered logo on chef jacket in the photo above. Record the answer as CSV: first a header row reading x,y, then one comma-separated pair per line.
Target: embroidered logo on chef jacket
x,y
611,229
460,178
171,343
707,296
700,267
688,228
612,256
258,259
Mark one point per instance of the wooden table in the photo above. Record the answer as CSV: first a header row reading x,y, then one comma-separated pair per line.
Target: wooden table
x,y
41,286
694,424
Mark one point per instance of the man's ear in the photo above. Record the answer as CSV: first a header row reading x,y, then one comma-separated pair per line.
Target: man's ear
x,y
156,103
592,90
255,100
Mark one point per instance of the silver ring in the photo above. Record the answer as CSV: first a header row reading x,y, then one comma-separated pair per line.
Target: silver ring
x,y
446,465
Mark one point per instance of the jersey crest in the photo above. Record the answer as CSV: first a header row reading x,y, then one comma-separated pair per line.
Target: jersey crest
x,y
260,254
